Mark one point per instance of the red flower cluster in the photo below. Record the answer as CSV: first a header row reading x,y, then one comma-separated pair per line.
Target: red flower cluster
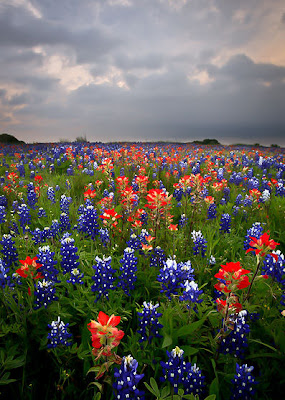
x,y
233,307
29,268
105,336
110,216
156,199
232,277
89,194
263,245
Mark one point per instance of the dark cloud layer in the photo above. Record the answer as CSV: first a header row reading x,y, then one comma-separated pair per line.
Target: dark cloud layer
x,y
143,70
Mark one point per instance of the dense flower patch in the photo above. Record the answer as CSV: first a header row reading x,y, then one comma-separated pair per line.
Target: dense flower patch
x,y
132,271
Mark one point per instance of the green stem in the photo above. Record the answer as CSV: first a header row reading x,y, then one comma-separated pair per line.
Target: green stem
x,y
254,276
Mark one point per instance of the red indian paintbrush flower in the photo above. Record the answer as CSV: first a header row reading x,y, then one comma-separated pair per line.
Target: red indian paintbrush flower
x,y
89,194
29,267
38,178
263,245
232,276
232,308
110,215
156,199
104,333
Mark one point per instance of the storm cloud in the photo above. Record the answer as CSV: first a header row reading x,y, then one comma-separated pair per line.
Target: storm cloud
x,y
143,70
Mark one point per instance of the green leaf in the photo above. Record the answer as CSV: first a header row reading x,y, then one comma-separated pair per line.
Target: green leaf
x,y
150,389
264,344
211,397
188,329
189,350
165,392
5,381
93,369
154,386
167,341
214,387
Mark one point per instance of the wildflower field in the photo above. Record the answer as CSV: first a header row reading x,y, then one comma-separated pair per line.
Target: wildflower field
x,y
142,271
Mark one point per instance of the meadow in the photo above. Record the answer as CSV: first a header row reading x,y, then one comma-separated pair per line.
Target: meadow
x,y
142,271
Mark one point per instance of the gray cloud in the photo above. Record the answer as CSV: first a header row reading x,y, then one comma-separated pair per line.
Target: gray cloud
x,y
152,69
242,68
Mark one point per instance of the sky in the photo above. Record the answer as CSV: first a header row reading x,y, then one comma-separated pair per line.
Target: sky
x,y
143,70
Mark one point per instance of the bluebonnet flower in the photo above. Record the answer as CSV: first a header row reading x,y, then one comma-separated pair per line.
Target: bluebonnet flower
x,y
212,260
21,170
24,216
70,171
249,173
174,368
225,223
178,372
134,242
280,189
183,220
88,221
9,251
235,210
44,294
103,278
247,202
172,275
200,244
235,342
177,194
212,211
253,183
13,228
2,214
46,259
255,231
104,236
275,268
144,233
51,194
157,257
148,322
42,213
193,382
144,218
64,222
128,271
38,236
127,380
15,206
5,279
236,178
32,197
53,230
76,277
191,294
59,334
68,254
238,199
65,203
227,192
3,200
220,174
243,383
